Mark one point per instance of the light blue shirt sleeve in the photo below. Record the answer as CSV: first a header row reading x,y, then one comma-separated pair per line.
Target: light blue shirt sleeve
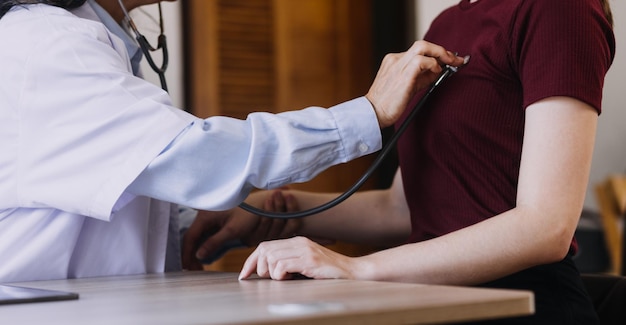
x,y
214,163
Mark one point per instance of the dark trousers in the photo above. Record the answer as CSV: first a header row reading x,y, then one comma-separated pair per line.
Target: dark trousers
x,y
560,296
608,293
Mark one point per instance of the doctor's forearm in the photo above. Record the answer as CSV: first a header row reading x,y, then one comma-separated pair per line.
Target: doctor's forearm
x,y
215,163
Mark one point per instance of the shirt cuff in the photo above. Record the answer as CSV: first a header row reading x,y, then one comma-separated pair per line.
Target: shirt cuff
x,y
358,127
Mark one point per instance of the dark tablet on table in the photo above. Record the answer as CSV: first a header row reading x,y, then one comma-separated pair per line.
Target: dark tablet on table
x,y
16,295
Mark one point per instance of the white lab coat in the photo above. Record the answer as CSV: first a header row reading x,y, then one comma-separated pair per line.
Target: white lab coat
x,y
77,128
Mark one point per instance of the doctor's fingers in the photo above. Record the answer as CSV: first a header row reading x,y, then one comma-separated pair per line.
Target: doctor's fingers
x,y
274,228
218,228
422,61
192,239
282,228
268,228
441,54
401,75
227,235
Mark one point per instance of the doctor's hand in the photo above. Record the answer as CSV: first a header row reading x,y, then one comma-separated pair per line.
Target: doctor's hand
x,y
287,258
212,230
402,75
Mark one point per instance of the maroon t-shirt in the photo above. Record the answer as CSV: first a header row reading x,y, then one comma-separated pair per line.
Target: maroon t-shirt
x,y
460,158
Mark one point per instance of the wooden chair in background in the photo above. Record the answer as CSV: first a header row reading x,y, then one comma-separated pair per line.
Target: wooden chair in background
x,y
611,199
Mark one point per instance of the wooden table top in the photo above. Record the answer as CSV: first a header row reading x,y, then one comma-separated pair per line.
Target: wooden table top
x,y
219,298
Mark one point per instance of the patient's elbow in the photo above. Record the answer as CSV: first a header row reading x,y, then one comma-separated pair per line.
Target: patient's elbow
x,y
556,244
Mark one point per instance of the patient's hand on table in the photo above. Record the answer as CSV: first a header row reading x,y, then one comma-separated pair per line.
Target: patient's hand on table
x,y
298,256
222,228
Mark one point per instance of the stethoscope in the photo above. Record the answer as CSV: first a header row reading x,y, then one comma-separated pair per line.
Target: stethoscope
x,y
447,72
146,48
